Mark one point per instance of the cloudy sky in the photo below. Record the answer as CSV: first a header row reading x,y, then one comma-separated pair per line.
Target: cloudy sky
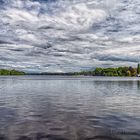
x,y
69,35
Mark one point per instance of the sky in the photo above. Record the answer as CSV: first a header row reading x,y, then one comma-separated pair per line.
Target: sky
x,y
69,35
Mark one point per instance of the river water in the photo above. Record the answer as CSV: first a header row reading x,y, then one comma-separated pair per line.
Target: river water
x,y
69,108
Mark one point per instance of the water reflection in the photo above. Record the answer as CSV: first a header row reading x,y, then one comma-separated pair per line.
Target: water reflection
x,y
138,84
58,108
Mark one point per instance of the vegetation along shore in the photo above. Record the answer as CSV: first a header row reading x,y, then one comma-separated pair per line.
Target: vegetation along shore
x,y
11,72
119,71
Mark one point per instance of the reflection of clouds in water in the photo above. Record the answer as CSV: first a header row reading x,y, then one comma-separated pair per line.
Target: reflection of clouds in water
x,y
68,108
7,116
68,35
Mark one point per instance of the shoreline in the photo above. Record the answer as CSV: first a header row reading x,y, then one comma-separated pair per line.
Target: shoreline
x,y
125,71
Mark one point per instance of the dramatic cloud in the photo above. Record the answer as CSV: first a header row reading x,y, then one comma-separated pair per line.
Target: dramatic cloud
x,y
69,35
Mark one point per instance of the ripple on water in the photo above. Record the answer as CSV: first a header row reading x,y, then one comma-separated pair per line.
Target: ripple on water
x,y
70,110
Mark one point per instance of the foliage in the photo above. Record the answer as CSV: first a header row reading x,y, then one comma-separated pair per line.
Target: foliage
x,y
11,72
120,71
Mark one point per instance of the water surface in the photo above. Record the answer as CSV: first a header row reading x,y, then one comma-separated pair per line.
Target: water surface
x,y
69,108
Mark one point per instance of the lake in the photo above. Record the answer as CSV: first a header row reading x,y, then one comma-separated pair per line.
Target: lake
x,y
69,108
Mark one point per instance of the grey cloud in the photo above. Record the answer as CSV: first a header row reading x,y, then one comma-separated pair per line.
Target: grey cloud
x,y
68,35
5,42
117,58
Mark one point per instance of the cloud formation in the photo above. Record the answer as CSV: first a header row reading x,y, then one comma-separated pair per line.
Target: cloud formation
x,y
68,35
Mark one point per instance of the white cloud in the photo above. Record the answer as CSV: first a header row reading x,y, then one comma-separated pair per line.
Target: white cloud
x,y
68,35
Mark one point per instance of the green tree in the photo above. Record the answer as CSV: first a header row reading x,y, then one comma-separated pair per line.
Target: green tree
x,y
11,72
129,73
98,71
132,71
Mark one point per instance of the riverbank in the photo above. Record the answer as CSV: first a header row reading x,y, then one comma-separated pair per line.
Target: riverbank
x,y
114,72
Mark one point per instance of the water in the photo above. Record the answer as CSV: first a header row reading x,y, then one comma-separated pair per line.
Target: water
x,y
69,108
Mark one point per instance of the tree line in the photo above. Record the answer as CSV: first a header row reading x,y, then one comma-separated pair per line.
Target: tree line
x,y
11,72
120,71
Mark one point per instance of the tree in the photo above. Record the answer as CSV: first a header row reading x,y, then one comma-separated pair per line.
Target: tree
x,y
132,71
11,72
138,69
98,71
129,73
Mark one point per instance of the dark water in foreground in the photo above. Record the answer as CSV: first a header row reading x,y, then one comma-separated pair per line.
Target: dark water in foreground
x,y
69,108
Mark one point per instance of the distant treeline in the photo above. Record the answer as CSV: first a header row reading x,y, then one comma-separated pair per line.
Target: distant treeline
x,y
11,72
120,71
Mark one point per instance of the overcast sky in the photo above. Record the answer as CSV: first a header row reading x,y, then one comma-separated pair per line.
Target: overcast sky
x,y
69,35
